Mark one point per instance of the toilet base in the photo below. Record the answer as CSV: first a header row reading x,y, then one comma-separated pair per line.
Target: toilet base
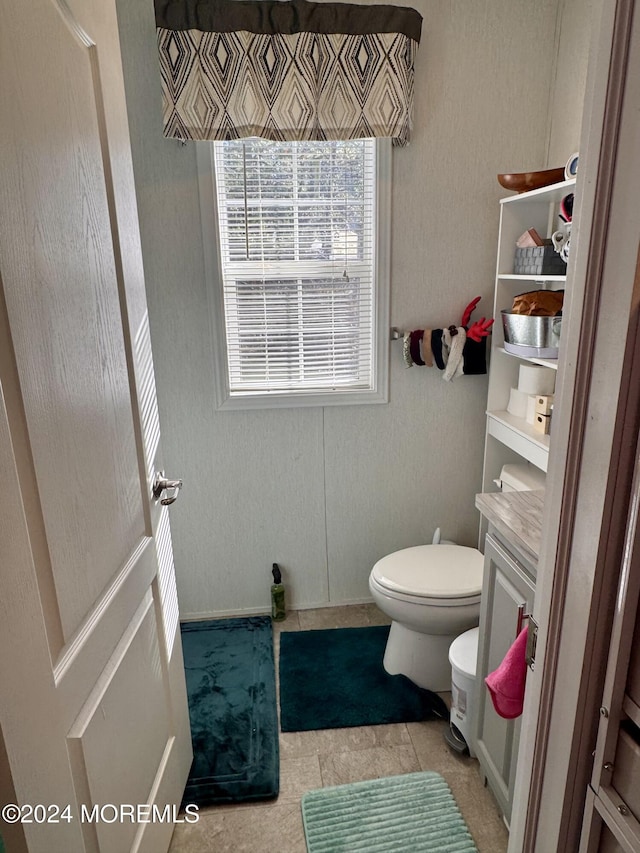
x,y
424,658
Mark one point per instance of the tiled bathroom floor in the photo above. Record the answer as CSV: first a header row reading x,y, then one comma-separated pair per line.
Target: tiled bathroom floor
x,y
335,756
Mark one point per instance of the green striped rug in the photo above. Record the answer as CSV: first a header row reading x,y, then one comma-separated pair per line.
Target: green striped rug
x,y
414,813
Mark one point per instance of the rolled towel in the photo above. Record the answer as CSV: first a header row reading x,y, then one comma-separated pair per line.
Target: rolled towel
x,y
506,683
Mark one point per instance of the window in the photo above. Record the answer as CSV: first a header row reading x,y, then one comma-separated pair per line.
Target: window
x,y
302,260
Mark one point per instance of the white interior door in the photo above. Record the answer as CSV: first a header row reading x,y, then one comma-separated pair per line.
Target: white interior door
x,y
92,693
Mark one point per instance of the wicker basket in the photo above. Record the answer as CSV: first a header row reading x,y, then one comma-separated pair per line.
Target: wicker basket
x,y
538,260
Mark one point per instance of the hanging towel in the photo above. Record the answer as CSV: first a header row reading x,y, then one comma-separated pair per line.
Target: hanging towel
x,y
453,340
436,348
506,683
406,350
425,352
474,357
414,346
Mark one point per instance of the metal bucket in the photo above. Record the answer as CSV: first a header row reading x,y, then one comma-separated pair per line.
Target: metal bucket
x,y
527,331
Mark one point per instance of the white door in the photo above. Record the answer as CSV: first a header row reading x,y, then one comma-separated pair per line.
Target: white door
x,y
92,692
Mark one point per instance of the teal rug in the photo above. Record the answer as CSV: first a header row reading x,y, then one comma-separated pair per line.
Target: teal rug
x,y
334,678
231,690
415,813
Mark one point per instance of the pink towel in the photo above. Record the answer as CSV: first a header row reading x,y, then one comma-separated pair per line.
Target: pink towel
x,y
506,683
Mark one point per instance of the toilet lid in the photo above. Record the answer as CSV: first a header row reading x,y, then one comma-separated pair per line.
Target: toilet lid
x,y
432,571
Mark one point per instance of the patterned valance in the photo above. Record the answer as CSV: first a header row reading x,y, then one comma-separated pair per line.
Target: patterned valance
x,y
286,69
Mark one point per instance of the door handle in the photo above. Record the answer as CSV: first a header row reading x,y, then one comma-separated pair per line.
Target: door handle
x,y
522,616
161,484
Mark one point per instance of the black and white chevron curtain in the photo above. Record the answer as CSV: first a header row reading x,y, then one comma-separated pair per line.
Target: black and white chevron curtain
x,y
286,69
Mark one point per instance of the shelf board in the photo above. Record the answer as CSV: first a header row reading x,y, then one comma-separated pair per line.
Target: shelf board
x,y
514,277
520,426
545,362
520,436
554,192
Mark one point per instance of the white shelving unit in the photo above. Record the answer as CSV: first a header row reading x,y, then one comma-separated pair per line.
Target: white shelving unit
x,y
510,439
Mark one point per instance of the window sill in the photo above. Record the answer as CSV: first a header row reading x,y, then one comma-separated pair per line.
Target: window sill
x,y
273,400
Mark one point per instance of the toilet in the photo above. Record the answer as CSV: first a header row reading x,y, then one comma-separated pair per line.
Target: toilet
x,y
432,594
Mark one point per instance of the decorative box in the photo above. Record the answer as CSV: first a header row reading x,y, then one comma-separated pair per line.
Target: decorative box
x,y
538,260
542,423
543,404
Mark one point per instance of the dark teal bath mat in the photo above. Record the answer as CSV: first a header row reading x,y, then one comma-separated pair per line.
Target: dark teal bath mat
x,y
334,678
414,813
231,690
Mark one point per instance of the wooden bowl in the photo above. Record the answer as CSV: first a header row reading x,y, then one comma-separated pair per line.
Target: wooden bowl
x,y
522,182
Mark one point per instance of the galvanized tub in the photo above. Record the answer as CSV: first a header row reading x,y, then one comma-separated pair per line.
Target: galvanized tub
x,y
527,331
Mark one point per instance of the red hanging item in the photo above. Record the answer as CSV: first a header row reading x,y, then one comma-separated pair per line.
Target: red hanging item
x,y
506,683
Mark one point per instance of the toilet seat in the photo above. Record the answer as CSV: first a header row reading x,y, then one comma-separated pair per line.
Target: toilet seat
x,y
441,575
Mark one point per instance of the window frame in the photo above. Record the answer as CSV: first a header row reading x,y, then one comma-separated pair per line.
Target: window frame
x,y
225,400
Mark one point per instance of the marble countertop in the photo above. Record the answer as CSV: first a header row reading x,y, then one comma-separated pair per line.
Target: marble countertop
x,y
517,516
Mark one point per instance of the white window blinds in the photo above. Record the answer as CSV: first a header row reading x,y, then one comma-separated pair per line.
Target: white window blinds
x,y
297,224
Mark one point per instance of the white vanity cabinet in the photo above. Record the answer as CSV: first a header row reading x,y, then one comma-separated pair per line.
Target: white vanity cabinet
x,y
507,599
511,439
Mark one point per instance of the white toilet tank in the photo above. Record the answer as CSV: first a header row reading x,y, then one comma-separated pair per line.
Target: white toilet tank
x,y
521,478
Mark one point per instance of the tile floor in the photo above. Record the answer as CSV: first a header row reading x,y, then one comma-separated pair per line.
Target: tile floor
x,y
335,756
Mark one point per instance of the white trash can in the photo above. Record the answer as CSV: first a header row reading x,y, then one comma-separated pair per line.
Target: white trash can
x,y
463,654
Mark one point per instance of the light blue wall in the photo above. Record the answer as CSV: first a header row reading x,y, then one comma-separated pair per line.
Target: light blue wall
x,y
326,492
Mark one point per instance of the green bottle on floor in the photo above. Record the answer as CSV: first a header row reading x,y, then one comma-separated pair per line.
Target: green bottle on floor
x,y
278,612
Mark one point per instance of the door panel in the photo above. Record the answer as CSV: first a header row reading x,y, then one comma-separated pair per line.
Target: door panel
x,y
507,594
93,707
115,724
91,651
504,612
75,382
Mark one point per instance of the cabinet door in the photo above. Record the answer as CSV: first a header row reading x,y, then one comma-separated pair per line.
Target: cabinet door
x,y
507,596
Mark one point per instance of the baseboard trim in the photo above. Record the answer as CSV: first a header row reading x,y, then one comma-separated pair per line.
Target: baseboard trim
x,y
259,611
